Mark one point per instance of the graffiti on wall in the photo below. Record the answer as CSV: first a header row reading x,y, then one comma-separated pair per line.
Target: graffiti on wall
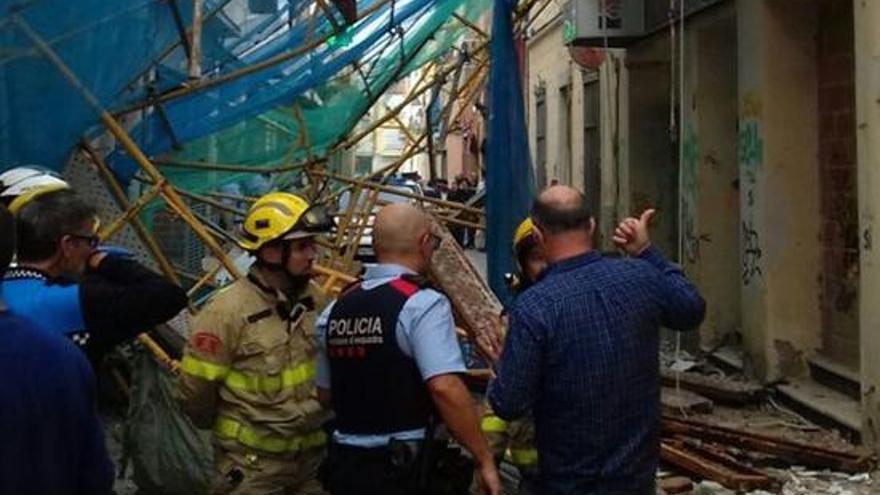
x,y
750,150
752,253
750,155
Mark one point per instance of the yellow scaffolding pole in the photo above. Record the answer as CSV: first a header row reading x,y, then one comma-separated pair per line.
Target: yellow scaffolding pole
x,y
121,199
166,191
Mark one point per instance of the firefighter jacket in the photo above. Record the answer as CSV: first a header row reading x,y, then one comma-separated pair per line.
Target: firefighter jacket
x,y
511,440
248,369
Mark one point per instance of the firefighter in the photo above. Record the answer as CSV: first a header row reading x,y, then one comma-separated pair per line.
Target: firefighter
x,y
515,440
249,364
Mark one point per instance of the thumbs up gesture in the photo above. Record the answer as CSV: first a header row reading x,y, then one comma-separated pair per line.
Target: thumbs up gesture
x,y
631,235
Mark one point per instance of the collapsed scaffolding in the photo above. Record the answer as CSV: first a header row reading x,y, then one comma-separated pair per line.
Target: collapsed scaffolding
x,y
148,154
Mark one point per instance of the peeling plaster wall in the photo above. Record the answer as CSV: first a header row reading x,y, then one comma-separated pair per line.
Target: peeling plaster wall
x,y
708,203
838,190
867,56
778,129
710,195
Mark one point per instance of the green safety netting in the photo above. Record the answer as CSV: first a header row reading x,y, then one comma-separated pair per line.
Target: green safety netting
x,y
328,111
129,55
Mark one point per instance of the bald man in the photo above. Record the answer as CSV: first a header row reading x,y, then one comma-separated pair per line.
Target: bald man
x,y
582,351
389,366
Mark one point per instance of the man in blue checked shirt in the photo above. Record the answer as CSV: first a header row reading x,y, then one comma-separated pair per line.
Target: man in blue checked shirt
x,y
582,351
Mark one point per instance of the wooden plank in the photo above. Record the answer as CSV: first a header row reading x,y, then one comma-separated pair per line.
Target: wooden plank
x,y
731,475
793,452
473,302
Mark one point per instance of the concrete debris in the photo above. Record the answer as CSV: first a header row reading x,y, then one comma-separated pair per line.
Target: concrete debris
x,y
675,484
799,481
717,388
680,401
712,488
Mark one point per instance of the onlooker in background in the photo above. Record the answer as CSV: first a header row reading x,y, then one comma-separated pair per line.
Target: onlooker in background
x,y
66,284
457,195
584,340
432,189
52,437
469,187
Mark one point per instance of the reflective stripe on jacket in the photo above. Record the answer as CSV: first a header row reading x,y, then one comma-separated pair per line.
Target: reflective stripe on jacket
x,y
248,363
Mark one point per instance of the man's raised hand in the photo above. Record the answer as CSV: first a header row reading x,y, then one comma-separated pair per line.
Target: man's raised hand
x,y
631,235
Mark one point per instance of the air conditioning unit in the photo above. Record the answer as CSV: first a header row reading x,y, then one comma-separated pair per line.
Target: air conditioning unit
x,y
593,22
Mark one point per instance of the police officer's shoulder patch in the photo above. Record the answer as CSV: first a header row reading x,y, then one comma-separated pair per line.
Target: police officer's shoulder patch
x,y
421,281
350,287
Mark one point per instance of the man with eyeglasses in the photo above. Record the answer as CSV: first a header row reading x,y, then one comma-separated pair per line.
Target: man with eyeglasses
x,y
52,436
389,368
65,284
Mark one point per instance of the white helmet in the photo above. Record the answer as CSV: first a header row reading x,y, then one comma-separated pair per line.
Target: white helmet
x,y
20,185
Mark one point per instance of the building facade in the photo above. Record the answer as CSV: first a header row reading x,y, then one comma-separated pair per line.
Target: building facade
x,y
752,126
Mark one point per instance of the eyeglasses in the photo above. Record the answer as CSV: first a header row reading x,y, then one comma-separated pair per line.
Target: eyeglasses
x,y
93,240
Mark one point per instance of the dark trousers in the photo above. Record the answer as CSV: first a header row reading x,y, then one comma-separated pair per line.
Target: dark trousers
x,y
360,471
576,487
378,471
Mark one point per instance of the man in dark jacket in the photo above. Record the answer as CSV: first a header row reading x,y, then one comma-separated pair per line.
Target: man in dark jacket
x,y
65,284
52,437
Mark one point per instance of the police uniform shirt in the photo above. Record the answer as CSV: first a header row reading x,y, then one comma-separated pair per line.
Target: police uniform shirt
x,y
425,331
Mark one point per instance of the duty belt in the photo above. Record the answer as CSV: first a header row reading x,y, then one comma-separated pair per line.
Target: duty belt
x,y
230,429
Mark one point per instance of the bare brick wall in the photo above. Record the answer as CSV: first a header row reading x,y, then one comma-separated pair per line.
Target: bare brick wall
x,y
838,187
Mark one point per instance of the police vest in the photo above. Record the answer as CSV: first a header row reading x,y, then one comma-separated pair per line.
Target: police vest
x,y
52,307
376,388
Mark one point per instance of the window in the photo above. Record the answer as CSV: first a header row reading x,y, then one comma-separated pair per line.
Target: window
x,y
564,165
363,164
592,143
541,135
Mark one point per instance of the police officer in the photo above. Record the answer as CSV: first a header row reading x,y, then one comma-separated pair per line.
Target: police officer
x,y
515,440
390,360
249,364
64,282
52,436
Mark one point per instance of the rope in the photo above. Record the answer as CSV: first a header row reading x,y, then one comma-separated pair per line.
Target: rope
x,y
677,131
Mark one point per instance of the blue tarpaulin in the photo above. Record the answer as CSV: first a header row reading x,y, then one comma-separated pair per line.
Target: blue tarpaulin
x,y
125,52
509,176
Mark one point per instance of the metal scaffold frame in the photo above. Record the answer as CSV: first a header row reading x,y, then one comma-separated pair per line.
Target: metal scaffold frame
x,y
337,264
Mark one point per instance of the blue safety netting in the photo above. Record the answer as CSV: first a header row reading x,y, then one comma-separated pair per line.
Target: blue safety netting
x,y
103,42
125,52
509,173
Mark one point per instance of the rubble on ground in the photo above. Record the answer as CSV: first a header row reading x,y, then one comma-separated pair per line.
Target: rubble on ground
x,y
745,442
